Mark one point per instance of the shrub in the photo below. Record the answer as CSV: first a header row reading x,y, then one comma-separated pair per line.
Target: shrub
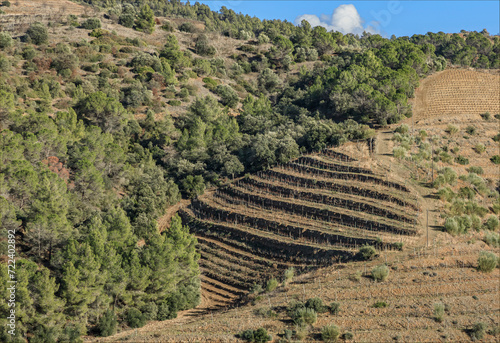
x,y
491,223
402,129
65,61
271,285
228,96
486,116
492,239
438,312
316,304
452,129
367,252
150,311
6,3
107,324
301,332
475,170
187,27
461,160
356,276
487,261
255,336
203,47
496,138
471,130
210,83
256,289
5,40
167,26
479,148
399,152
330,333
348,336
4,63
306,316
263,38
265,312
335,308
380,273
92,24
289,273
495,159
478,330
37,34
380,304
135,319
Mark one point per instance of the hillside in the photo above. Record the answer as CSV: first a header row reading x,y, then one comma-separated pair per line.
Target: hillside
x,y
162,164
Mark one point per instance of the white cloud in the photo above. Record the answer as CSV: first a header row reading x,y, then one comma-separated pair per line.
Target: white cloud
x,y
344,18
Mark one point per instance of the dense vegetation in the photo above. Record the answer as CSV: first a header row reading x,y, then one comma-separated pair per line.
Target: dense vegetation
x,y
91,157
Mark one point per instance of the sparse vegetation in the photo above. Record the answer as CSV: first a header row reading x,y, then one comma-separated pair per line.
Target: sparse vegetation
x,y
330,333
439,312
380,273
487,261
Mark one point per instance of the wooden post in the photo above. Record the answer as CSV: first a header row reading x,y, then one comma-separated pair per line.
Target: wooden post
x,y
427,227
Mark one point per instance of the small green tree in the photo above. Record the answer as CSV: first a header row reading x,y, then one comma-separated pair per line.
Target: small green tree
x,y
92,24
316,304
335,308
228,96
145,21
330,333
289,273
271,285
478,330
438,312
492,223
380,273
107,324
135,319
5,40
367,252
37,34
487,261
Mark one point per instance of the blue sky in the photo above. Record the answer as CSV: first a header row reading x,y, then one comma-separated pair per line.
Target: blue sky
x,y
401,18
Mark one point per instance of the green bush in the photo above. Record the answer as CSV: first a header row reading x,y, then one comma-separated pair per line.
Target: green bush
x,y
266,312
461,160
471,130
380,304
107,324
289,273
135,319
37,34
305,316
330,333
203,47
492,223
495,159
334,308
380,273
439,312
402,129
92,24
487,261
228,96
478,330
5,40
492,239
255,336
367,252
271,285
399,152
187,27
475,170
348,336
486,116
452,129
316,304
479,148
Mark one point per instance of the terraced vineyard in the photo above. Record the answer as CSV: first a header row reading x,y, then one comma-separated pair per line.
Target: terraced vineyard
x,y
312,212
